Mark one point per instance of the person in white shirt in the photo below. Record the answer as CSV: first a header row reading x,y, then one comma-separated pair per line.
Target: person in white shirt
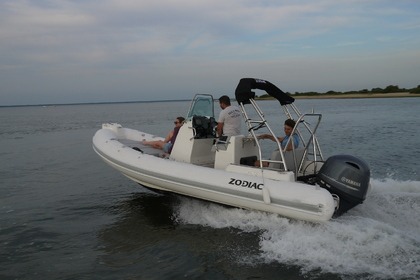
x,y
229,123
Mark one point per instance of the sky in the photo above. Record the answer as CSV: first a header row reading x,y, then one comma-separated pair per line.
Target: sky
x,y
77,51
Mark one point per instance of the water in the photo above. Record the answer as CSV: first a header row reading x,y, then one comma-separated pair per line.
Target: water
x,y
64,214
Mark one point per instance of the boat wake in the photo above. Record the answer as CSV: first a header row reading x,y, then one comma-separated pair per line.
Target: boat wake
x,y
379,239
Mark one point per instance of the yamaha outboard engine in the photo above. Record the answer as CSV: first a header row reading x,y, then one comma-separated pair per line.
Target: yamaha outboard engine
x,y
347,177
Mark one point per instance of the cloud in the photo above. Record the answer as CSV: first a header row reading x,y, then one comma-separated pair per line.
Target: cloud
x,y
55,48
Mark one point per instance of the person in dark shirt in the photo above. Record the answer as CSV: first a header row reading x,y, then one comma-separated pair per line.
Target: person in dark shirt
x,y
167,144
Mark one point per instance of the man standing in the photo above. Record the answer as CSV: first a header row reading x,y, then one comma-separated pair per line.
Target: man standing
x,y
229,122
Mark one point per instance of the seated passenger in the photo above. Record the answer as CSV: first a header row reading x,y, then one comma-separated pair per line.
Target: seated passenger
x,y
167,144
289,124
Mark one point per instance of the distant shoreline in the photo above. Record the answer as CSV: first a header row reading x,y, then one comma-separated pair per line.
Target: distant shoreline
x,y
357,95
317,96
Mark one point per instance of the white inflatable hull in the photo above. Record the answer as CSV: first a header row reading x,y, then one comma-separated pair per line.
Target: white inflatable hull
x,y
238,186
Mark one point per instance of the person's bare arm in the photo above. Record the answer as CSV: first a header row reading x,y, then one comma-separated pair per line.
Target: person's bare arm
x,y
169,136
268,136
289,146
220,129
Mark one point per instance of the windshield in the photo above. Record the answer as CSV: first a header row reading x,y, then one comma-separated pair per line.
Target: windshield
x,y
202,105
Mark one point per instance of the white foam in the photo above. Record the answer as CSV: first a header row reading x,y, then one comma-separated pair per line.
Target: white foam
x,y
378,239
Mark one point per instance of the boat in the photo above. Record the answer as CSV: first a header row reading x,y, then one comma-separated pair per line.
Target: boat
x,y
298,184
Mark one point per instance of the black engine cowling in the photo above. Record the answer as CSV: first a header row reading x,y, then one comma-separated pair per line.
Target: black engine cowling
x,y
346,176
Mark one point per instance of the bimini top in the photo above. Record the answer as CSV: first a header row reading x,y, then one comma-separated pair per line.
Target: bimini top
x,y
244,93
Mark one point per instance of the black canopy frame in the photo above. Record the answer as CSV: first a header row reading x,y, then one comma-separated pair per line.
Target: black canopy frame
x,y
244,93
306,125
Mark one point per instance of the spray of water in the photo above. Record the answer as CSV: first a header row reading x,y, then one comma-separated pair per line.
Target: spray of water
x,y
379,239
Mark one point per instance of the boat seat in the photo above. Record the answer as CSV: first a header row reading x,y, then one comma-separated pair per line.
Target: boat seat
x,y
288,157
204,127
237,150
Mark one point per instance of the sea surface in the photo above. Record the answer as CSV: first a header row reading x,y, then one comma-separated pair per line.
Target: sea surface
x,y
65,214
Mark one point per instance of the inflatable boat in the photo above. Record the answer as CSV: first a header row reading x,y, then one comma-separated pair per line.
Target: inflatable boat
x,y
298,184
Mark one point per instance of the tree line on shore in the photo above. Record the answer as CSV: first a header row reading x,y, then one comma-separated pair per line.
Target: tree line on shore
x,y
388,89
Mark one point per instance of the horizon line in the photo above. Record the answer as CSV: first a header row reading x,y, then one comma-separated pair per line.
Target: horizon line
x,y
92,103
